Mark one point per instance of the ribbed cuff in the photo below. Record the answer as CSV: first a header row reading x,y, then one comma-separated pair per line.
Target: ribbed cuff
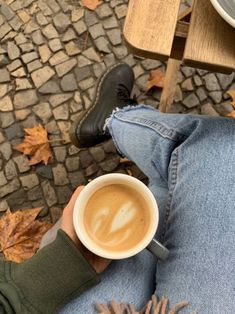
x,y
51,278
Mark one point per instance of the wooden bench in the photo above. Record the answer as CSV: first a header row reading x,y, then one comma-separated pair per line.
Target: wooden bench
x,y
198,37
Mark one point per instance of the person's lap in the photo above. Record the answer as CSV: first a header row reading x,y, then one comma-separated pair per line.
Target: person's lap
x,y
131,280
189,161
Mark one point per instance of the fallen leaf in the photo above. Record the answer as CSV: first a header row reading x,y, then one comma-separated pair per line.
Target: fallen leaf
x,y
231,114
21,234
231,93
36,144
124,160
91,4
156,79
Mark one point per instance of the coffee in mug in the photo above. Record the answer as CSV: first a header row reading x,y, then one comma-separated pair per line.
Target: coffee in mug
x,y
116,216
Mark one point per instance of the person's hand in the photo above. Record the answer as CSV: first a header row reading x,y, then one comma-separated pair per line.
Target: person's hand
x,y
97,262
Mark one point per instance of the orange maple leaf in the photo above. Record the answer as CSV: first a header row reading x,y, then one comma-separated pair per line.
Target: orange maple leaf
x,y
156,79
231,93
36,144
91,4
21,234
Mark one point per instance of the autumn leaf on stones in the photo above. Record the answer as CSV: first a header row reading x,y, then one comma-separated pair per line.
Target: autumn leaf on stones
x,y
91,4
231,93
36,144
156,79
21,234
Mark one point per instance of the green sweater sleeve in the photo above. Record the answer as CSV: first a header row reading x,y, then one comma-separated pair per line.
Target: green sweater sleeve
x,y
47,281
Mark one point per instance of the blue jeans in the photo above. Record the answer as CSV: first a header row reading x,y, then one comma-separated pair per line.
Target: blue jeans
x,y
190,163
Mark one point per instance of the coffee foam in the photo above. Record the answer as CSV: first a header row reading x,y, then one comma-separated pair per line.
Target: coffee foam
x,y
116,217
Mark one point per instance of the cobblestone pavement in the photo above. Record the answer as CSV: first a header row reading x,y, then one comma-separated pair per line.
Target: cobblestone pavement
x,y
51,53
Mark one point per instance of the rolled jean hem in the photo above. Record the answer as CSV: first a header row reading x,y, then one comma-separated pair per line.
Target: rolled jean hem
x,y
109,120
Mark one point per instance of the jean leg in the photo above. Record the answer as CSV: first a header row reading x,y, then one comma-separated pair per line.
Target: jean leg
x,y
131,280
195,156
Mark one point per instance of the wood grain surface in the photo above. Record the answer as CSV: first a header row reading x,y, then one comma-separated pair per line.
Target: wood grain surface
x,y
170,83
211,41
150,27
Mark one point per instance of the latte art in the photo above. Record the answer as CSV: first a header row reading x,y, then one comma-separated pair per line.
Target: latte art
x,y
116,217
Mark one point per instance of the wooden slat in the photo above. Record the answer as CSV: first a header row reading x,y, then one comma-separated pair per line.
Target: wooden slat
x,y
185,15
150,26
211,41
170,83
178,46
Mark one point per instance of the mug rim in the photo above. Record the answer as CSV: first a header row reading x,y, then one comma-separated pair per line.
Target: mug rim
x,y
229,19
80,205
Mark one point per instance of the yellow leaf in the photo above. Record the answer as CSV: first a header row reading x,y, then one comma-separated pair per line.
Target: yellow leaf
x,y
36,144
231,93
21,234
156,79
91,4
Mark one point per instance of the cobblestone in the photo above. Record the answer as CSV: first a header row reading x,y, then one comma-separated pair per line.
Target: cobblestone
x,y
10,170
42,75
207,109
51,54
60,153
43,111
50,87
12,50
29,181
211,82
55,44
64,193
3,179
22,163
4,76
6,150
13,131
6,104
65,67
9,188
61,22
49,193
7,119
61,112
60,175
44,171
25,99
59,99
68,83
191,101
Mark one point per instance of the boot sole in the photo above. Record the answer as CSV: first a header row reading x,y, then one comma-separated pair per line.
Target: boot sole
x,y
76,126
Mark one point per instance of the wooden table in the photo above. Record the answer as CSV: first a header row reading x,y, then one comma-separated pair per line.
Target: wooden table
x,y
198,37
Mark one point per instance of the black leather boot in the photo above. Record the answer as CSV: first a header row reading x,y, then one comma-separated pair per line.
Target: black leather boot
x,y
113,91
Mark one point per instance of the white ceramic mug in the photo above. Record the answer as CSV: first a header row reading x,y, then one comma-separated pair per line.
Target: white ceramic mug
x,y
147,242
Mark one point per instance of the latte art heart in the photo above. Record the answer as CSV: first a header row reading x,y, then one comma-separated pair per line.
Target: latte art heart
x,y
116,217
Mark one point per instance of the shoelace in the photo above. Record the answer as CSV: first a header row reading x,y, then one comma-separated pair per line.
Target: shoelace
x,y
124,94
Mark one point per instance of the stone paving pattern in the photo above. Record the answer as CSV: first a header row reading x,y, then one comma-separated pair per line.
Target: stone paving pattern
x,y
51,53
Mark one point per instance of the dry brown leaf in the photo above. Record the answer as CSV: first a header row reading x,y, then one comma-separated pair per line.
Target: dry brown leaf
x,y
156,79
91,4
231,114
36,144
21,234
232,95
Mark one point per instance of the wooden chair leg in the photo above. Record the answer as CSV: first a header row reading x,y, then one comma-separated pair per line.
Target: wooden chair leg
x,y
170,83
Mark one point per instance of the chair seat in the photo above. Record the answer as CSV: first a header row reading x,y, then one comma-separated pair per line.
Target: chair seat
x,y
151,27
211,41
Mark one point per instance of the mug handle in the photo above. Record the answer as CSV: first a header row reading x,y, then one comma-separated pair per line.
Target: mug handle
x,y
157,249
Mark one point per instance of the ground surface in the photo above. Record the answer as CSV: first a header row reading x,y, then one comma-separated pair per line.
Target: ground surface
x,y
51,53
